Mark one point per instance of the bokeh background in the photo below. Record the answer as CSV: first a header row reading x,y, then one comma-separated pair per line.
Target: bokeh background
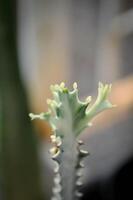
x,y
43,42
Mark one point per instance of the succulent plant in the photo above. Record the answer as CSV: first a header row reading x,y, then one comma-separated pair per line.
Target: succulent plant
x,y
68,117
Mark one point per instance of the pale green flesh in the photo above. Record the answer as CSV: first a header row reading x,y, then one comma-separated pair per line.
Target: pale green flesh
x,y
68,117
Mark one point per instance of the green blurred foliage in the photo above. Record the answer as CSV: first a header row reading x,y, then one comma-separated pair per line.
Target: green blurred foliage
x,y
19,164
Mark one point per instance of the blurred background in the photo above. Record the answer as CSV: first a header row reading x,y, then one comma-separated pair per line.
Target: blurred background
x,y
45,42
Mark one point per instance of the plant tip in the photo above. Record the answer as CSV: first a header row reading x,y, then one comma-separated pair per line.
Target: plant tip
x,y
75,86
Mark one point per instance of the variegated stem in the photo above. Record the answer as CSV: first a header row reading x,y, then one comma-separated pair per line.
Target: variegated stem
x,y
68,172
68,117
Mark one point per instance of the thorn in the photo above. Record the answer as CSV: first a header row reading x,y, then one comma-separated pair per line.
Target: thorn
x,y
57,179
57,189
56,169
78,194
39,116
79,173
56,139
57,158
54,151
62,85
89,99
79,183
74,85
110,86
53,138
32,116
83,153
100,85
81,164
80,142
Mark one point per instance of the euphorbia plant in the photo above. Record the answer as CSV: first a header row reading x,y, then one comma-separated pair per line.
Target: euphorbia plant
x,y
68,117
